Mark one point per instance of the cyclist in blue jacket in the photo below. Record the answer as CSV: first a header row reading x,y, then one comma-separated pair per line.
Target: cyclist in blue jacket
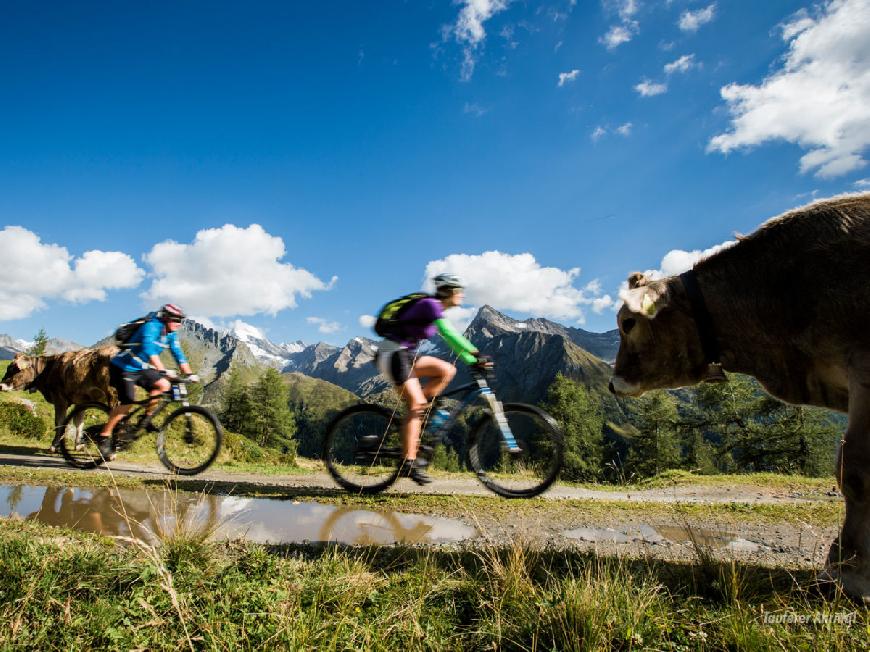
x,y
139,364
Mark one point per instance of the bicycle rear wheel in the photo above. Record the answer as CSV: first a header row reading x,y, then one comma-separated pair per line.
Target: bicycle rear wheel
x,y
81,429
517,475
363,448
189,440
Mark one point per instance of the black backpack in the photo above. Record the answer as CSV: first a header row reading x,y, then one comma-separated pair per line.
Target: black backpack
x,y
389,317
126,330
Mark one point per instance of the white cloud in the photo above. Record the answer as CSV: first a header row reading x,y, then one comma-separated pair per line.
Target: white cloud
x,y
324,325
565,77
863,183
33,272
690,21
518,282
628,27
648,88
818,99
367,321
461,317
228,271
683,64
616,36
598,133
469,31
625,129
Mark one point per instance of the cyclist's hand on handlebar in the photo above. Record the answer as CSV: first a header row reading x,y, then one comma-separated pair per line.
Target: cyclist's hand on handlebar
x,y
483,363
192,378
169,373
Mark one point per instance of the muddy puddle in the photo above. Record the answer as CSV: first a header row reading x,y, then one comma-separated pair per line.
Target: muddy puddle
x,y
147,514
665,535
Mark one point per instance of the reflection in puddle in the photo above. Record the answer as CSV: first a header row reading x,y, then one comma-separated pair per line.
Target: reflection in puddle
x,y
664,535
140,513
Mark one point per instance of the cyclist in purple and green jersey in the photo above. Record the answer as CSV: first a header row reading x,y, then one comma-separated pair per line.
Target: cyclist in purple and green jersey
x,y
397,359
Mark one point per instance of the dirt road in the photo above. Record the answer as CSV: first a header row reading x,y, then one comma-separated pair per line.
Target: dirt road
x,y
668,523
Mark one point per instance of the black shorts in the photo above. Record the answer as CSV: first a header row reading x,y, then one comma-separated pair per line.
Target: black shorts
x,y
395,362
125,382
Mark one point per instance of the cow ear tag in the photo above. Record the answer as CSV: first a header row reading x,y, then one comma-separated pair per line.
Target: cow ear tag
x,y
647,306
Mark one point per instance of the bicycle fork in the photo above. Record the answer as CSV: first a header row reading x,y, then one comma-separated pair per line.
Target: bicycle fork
x,y
497,412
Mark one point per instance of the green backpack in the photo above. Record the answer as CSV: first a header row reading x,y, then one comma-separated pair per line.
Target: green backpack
x,y
389,319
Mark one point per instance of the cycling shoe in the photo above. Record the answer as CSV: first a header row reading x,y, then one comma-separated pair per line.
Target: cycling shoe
x,y
415,470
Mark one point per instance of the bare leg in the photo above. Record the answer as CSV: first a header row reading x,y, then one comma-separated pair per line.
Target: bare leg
x,y
416,400
438,372
115,416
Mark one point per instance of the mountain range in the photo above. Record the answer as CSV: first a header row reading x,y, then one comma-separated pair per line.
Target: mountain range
x,y
527,354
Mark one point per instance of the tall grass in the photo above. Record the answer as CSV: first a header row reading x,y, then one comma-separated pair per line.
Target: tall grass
x,y
66,590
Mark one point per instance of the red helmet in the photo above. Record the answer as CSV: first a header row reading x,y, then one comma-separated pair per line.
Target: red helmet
x,y
171,312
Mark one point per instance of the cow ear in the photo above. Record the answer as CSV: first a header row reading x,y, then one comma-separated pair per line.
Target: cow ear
x,y
636,280
646,300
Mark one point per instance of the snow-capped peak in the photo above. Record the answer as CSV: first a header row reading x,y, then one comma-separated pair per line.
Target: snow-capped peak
x,y
246,332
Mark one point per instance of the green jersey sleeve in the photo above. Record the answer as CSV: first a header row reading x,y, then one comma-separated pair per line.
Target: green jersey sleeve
x,y
457,343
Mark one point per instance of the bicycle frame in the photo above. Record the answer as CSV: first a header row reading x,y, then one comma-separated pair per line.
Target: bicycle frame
x,y
164,400
472,391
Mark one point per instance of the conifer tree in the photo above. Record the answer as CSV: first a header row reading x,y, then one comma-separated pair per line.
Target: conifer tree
x,y
40,342
273,421
582,423
656,447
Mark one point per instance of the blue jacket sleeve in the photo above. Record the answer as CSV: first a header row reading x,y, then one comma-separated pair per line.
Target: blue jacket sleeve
x,y
175,347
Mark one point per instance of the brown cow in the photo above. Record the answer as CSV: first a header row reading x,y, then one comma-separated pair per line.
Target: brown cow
x,y
789,305
64,379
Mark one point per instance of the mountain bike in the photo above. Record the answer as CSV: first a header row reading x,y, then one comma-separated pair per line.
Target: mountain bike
x,y
516,450
188,439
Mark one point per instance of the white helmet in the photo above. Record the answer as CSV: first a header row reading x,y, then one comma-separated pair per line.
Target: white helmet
x,y
445,282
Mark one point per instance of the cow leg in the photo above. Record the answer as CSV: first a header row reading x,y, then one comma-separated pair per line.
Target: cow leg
x,y
849,557
60,409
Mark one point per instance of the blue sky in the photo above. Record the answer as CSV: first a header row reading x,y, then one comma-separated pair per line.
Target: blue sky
x,y
543,150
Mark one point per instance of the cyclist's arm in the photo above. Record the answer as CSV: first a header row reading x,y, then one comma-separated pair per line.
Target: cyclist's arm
x,y
180,358
458,344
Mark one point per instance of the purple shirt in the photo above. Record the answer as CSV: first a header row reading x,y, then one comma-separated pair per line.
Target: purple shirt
x,y
418,322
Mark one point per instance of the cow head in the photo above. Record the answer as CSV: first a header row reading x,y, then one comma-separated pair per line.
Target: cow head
x,y
20,373
659,344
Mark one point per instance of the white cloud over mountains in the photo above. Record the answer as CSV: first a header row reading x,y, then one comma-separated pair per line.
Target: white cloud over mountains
x,y
324,325
34,272
819,97
518,282
228,271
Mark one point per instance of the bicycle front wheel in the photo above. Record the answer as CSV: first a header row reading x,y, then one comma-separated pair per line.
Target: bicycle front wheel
x,y
363,448
189,440
528,472
79,436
